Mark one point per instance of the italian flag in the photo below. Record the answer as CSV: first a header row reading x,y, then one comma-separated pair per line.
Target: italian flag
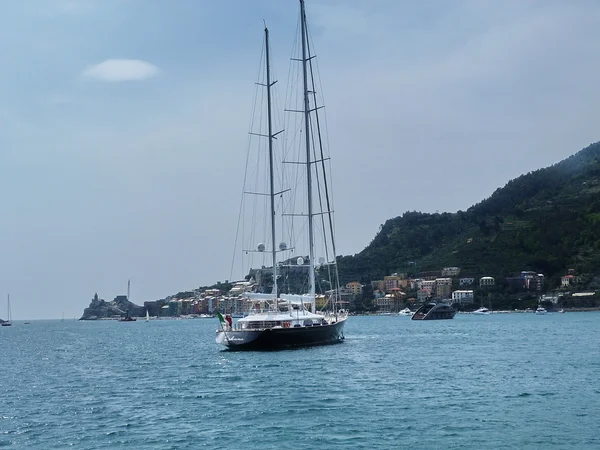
x,y
224,322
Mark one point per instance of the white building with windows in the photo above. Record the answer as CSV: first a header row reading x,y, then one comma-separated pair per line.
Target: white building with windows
x,y
467,281
486,281
450,271
462,296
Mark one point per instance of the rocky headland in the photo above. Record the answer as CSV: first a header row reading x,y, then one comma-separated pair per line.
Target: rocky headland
x,y
119,307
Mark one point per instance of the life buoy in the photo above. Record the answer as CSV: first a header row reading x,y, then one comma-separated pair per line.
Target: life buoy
x,y
286,324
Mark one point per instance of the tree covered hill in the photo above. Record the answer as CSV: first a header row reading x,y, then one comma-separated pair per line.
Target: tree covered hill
x,y
547,221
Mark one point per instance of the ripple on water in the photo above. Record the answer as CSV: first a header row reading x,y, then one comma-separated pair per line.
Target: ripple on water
x,y
470,383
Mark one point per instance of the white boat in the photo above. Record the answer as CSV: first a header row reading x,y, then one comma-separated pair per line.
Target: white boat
x,y
561,311
405,312
540,310
8,321
277,320
482,310
147,316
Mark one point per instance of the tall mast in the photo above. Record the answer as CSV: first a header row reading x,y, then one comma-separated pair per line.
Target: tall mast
x,y
311,244
271,165
128,289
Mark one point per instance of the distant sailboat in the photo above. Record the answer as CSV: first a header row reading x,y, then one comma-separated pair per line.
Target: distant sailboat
x,y
483,310
8,322
147,316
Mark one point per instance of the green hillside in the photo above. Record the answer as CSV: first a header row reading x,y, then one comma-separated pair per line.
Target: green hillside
x,y
547,221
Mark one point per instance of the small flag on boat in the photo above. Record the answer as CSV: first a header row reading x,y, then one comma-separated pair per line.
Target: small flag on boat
x,y
221,318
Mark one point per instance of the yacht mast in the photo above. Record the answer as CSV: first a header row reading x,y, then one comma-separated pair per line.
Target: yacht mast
x,y
305,58
271,165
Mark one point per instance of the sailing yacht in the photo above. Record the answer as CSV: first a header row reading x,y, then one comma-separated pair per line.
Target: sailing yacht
x,y
8,321
291,320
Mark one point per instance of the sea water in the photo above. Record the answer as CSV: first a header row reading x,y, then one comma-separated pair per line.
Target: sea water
x,y
499,381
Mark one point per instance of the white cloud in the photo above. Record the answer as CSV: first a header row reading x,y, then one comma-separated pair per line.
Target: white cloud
x,y
113,70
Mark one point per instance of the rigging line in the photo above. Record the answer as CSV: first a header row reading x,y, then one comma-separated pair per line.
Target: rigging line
x,y
324,232
248,146
323,165
323,168
319,196
325,126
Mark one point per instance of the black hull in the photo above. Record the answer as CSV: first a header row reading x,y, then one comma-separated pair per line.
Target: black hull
x,y
434,312
436,316
283,338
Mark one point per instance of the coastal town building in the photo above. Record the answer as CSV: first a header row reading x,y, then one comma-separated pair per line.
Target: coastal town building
x,y
354,287
450,271
486,281
466,281
443,287
532,280
527,280
567,280
320,301
550,298
239,288
462,296
415,283
392,281
384,304
428,285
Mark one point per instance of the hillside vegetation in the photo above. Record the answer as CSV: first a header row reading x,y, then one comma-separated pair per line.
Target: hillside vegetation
x,y
547,221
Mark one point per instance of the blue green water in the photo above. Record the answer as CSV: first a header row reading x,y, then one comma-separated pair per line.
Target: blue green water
x,y
499,381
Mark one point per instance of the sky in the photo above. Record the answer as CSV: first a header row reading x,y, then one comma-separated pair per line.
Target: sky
x,y
123,125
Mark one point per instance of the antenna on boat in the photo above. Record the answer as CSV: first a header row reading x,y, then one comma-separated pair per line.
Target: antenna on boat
x,y
311,243
271,168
